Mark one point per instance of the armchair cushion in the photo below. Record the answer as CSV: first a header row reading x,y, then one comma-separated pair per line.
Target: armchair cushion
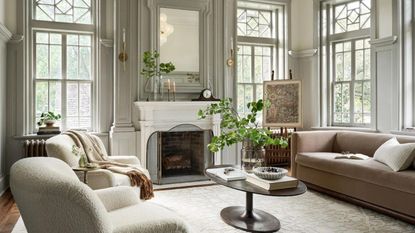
x,y
147,217
117,197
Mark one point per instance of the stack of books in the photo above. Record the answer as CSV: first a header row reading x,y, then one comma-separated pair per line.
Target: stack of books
x,y
48,130
283,183
228,173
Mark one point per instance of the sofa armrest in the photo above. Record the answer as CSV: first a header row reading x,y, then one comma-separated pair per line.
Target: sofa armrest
x,y
127,159
118,197
310,141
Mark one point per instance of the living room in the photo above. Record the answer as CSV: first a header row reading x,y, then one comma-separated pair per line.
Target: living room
x,y
207,116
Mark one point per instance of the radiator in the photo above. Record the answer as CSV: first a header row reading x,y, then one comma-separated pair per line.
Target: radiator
x,y
35,148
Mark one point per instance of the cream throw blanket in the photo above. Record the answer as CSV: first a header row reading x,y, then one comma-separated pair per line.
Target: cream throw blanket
x,y
93,152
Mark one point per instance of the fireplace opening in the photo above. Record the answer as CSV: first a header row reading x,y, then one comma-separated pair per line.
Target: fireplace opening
x,y
179,155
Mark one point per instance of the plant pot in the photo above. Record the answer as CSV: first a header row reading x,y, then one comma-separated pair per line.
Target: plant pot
x,y
50,123
251,156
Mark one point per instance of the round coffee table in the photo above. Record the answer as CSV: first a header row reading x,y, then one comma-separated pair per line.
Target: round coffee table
x,y
247,218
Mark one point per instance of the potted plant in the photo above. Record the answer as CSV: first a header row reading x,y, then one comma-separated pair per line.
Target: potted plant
x,y
153,71
245,129
48,119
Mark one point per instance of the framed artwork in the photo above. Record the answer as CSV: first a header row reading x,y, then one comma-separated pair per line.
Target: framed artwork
x,y
286,107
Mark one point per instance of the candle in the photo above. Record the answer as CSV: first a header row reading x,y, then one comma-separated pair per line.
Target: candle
x,y
168,84
123,35
174,86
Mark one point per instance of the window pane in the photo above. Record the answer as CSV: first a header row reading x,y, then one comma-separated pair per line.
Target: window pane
x,y
85,99
41,98
55,61
249,96
352,16
72,99
74,11
79,57
241,98
42,61
55,97
254,23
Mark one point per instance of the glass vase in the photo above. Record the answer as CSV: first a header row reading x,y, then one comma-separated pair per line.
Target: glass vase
x,y
251,156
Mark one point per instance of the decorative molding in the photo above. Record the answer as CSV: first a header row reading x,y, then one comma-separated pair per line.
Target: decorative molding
x,y
5,33
16,38
390,40
107,43
302,53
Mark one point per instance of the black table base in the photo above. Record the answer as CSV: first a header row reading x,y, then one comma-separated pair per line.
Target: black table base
x,y
249,219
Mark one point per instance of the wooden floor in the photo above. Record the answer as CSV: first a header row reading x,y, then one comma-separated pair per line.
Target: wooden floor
x,y
9,214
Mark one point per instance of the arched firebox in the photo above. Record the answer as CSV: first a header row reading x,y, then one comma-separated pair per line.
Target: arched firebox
x,y
179,154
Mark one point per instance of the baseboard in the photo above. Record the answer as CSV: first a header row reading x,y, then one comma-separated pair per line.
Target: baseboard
x,y
4,184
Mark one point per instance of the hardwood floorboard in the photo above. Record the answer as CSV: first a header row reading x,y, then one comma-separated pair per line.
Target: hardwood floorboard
x,y
9,214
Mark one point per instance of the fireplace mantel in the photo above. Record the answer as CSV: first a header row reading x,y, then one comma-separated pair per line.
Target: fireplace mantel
x,y
163,116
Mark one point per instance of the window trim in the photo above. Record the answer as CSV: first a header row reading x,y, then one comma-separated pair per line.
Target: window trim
x,y
34,26
279,44
324,41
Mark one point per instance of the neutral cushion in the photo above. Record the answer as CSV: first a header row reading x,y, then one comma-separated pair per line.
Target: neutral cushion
x,y
369,170
397,156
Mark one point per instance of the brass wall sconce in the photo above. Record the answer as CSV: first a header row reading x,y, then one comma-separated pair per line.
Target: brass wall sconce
x,y
230,61
123,57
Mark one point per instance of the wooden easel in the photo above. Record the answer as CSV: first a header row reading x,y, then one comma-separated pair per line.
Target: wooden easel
x,y
275,155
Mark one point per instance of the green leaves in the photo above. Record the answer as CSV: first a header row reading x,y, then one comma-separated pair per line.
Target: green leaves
x,y
45,116
236,128
150,65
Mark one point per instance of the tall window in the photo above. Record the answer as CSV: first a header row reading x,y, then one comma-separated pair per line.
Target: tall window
x,y
62,38
257,50
350,77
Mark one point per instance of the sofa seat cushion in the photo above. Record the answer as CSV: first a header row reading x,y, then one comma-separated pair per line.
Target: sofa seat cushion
x,y
147,217
369,170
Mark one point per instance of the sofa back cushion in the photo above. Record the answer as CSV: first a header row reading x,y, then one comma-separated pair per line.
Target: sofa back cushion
x,y
364,143
358,142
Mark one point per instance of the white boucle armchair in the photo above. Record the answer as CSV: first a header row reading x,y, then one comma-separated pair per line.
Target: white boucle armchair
x,y
60,147
51,199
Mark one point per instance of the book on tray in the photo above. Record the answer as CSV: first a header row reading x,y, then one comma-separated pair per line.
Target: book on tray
x,y
228,173
283,183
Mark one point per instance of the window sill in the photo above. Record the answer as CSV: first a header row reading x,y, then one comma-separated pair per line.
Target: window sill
x,y
46,136
367,130
406,132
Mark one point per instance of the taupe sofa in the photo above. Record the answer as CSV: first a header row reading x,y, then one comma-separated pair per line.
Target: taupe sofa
x,y
365,182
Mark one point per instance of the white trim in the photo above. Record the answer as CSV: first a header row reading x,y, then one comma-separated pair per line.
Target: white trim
x,y
369,130
384,41
107,43
302,53
4,184
5,34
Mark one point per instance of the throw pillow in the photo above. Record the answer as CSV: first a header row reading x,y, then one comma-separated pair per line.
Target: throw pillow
x,y
395,155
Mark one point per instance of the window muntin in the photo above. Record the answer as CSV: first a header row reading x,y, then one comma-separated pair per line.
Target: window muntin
x,y
63,80
66,11
254,67
254,23
352,16
352,84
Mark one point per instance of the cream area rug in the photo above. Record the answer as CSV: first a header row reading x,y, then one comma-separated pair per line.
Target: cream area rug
x,y
311,212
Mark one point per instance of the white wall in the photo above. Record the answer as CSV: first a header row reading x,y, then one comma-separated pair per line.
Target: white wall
x,y
8,14
302,24
4,37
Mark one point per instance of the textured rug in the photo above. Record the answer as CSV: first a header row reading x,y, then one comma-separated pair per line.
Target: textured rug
x,y
309,213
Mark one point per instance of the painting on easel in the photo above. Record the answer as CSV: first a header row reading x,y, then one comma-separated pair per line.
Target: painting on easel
x,y
286,107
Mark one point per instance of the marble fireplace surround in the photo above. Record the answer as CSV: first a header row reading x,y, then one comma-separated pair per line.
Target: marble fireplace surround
x,y
163,116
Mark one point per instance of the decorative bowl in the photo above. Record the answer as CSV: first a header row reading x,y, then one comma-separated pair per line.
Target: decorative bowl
x,y
270,173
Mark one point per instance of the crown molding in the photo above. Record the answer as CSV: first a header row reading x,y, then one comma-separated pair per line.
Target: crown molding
x,y
386,41
5,34
302,53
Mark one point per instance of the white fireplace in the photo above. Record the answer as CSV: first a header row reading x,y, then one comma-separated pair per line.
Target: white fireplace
x,y
164,116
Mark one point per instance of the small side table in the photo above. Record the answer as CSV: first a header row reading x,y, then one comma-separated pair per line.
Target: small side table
x,y
85,170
